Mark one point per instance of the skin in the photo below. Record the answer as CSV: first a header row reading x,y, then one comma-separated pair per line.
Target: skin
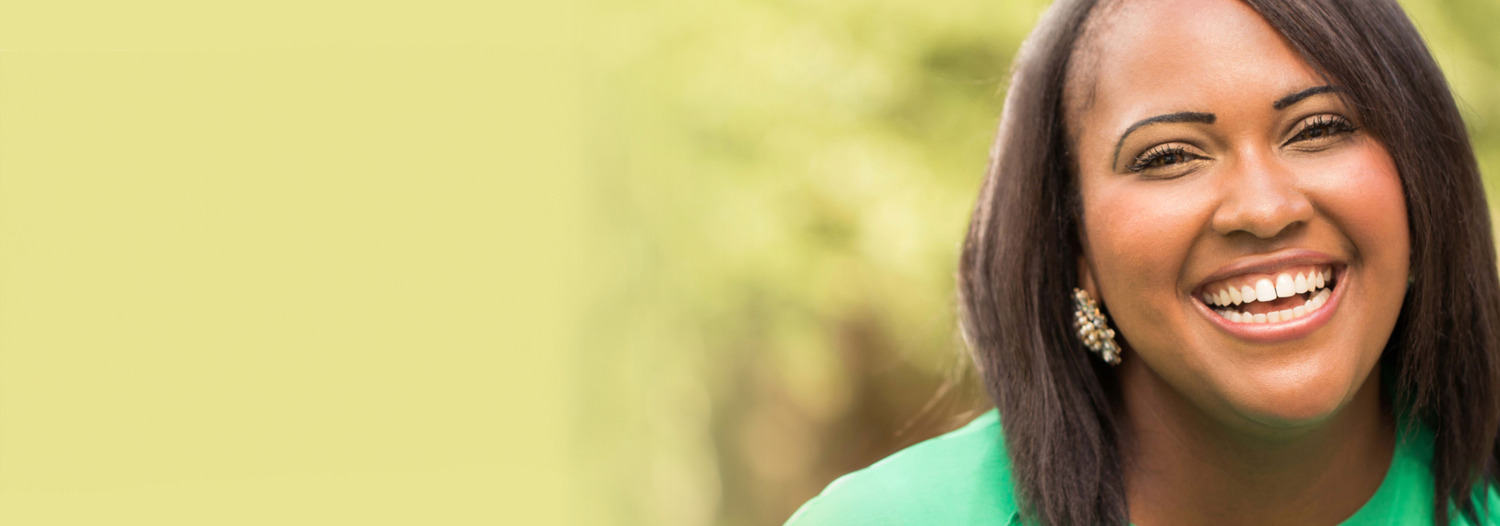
x,y
1222,429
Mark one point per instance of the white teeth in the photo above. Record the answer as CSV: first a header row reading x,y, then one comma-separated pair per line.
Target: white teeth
x,y
1283,285
1285,288
1264,291
1318,300
1310,306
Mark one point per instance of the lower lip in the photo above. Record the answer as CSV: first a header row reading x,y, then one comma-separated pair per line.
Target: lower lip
x,y
1278,331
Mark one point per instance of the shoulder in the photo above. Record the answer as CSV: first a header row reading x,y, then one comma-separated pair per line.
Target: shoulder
x,y
962,477
1407,496
1487,507
1486,502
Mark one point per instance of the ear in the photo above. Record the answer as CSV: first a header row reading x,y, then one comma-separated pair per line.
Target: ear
x,y
1086,279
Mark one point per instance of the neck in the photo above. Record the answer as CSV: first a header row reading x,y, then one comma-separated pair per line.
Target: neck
x,y
1186,467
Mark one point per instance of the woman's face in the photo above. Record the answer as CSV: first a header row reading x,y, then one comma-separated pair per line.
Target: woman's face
x,y
1248,239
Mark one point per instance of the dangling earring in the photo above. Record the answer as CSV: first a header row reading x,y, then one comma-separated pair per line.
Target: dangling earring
x,y
1093,329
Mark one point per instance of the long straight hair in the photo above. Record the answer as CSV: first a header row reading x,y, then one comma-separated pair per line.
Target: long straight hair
x,y
1018,264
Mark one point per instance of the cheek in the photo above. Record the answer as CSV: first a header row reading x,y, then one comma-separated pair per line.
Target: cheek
x,y
1362,195
1139,235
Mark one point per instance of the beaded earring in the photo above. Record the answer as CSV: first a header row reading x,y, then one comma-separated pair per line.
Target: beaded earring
x,y
1093,329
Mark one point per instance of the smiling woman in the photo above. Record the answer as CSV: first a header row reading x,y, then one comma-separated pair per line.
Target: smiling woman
x,y
1276,208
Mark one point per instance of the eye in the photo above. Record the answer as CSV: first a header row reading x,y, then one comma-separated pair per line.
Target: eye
x,y
1161,156
1321,128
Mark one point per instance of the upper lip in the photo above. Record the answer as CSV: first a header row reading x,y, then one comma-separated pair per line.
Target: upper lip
x,y
1268,263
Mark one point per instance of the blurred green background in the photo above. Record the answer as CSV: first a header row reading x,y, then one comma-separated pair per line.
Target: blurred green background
x,y
777,192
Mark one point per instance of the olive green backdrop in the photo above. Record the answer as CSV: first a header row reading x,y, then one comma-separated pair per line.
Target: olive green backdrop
x,y
779,190
295,263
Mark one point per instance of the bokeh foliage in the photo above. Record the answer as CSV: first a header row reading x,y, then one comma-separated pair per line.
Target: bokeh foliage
x,y
781,187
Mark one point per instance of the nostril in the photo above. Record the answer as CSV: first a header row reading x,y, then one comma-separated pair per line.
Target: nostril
x,y
1262,201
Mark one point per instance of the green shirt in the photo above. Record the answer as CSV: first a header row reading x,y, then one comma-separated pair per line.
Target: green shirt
x,y
964,478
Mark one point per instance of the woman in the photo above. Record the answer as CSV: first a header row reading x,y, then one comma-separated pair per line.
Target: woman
x,y
1267,213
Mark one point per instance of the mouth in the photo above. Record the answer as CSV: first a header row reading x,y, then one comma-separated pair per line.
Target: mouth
x,y
1283,304
1270,298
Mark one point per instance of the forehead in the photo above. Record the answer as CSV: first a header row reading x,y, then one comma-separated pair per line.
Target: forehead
x,y
1156,56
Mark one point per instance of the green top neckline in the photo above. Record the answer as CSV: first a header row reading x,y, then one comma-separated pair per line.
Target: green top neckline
x,y
964,478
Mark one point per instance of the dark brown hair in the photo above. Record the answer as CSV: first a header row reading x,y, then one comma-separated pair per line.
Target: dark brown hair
x,y
1018,264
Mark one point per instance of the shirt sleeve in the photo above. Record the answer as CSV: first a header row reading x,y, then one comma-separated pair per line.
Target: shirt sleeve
x,y
851,501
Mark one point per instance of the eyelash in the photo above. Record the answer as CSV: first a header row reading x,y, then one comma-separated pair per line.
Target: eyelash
x,y
1335,124
1145,160
1332,124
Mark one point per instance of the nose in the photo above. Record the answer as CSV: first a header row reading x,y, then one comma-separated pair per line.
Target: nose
x,y
1261,196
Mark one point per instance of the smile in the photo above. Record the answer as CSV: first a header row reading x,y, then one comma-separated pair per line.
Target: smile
x,y
1271,298
1276,299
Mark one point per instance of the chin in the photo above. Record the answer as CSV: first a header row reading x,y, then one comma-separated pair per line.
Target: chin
x,y
1295,397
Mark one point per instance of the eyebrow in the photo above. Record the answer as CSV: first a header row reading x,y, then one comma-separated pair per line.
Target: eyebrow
x,y
1208,118
1181,116
1294,98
